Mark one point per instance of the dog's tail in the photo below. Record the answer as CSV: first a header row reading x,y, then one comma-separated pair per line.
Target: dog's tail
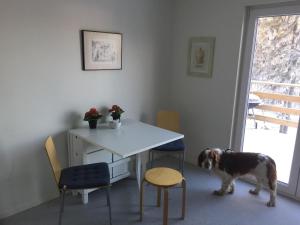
x,y
272,174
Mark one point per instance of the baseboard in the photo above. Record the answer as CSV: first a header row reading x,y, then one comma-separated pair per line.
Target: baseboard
x,y
190,162
28,205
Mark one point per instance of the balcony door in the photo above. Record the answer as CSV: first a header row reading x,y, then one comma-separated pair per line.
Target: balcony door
x,y
268,99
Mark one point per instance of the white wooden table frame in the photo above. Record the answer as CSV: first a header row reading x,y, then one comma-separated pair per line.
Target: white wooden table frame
x,y
132,138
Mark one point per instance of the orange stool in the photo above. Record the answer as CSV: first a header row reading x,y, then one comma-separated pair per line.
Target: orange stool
x,y
163,178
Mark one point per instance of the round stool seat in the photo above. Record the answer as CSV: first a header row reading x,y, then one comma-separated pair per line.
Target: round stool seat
x,y
163,176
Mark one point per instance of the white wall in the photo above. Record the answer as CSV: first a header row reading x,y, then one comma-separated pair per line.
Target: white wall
x,y
43,90
207,105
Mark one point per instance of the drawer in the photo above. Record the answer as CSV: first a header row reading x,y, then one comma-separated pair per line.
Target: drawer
x,y
121,168
98,156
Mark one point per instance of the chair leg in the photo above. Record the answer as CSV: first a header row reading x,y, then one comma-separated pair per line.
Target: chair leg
x,y
149,160
158,196
166,207
183,198
182,162
108,203
62,203
152,156
141,200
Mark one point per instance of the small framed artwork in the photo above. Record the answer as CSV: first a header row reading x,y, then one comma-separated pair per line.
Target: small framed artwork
x,y
200,56
101,50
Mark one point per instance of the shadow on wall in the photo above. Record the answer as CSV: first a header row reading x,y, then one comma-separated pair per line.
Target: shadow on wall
x,y
44,169
6,164
143,118
73,120
28,167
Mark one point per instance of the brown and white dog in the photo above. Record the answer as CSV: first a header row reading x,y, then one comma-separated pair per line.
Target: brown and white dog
x,y
230,165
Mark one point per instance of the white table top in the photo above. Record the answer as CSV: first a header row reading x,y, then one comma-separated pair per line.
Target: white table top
x,y
131,138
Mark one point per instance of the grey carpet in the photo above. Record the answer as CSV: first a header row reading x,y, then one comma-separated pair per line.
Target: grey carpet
x,y
203,208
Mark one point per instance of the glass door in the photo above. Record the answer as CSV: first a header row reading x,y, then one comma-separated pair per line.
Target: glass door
x,y
268,107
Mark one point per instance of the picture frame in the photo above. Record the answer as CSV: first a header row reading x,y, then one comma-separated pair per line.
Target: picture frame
x,y
101,50
200,56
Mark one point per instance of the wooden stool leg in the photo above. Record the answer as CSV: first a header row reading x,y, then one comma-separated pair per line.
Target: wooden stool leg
x,y
158,196
183,198
166,206
141,200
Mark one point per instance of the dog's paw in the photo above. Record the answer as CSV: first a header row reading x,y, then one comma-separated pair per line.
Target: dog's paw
x,y
231,191
218,193
271,204
253,192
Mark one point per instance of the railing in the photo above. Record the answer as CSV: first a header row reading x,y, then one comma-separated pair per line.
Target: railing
x,y
277,109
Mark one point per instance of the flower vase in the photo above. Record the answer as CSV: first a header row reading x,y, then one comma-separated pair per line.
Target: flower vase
x,y
93,124
115,124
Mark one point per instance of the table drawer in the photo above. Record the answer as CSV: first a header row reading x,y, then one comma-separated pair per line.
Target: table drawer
x,y
98,156
121,167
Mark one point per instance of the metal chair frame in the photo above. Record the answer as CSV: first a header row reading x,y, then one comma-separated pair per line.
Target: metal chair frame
x,y
181,157
62,202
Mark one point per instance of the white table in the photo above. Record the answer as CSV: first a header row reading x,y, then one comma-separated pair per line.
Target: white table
x,y
132,138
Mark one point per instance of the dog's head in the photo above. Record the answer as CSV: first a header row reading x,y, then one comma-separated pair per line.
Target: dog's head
x,y
209,158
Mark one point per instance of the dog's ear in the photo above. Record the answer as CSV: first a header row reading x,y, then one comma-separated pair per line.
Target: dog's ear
x,y
201,158
215,156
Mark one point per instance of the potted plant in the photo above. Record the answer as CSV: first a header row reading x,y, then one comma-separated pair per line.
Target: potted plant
x,y
92,117
115,113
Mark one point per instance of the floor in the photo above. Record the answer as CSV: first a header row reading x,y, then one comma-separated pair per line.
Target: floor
x,y
203,208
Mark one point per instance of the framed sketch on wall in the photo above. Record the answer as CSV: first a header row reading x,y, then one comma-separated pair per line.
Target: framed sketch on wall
x,y
101,50
200,56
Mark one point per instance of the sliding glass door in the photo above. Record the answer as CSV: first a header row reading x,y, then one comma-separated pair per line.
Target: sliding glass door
x,y
268,104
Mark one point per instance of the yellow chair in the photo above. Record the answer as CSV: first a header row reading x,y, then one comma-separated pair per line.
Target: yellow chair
x,y
77,177
169,120
163,178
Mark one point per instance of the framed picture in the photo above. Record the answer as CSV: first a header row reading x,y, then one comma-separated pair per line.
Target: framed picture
x,y
101,50
200,56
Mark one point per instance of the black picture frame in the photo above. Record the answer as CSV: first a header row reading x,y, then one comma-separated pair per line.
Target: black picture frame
x,y
101,50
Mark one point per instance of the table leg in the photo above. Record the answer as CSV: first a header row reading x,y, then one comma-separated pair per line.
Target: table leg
x,y
138,168
84,196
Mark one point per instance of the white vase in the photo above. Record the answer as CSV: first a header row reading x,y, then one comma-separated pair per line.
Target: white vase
x,y
115,124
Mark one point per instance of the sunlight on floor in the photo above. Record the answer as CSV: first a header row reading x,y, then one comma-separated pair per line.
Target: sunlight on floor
x,y
267,140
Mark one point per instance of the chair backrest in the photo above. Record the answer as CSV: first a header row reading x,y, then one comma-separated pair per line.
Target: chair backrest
x,y
51,152
168,120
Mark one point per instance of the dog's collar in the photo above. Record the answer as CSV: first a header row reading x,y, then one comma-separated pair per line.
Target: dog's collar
x,y
228,150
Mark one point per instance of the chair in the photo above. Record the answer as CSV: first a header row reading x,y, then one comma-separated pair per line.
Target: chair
x,y
169,120
78,177
253,102
163,178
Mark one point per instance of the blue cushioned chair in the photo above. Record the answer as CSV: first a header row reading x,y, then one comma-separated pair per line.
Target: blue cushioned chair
x,y
78,177
169,120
